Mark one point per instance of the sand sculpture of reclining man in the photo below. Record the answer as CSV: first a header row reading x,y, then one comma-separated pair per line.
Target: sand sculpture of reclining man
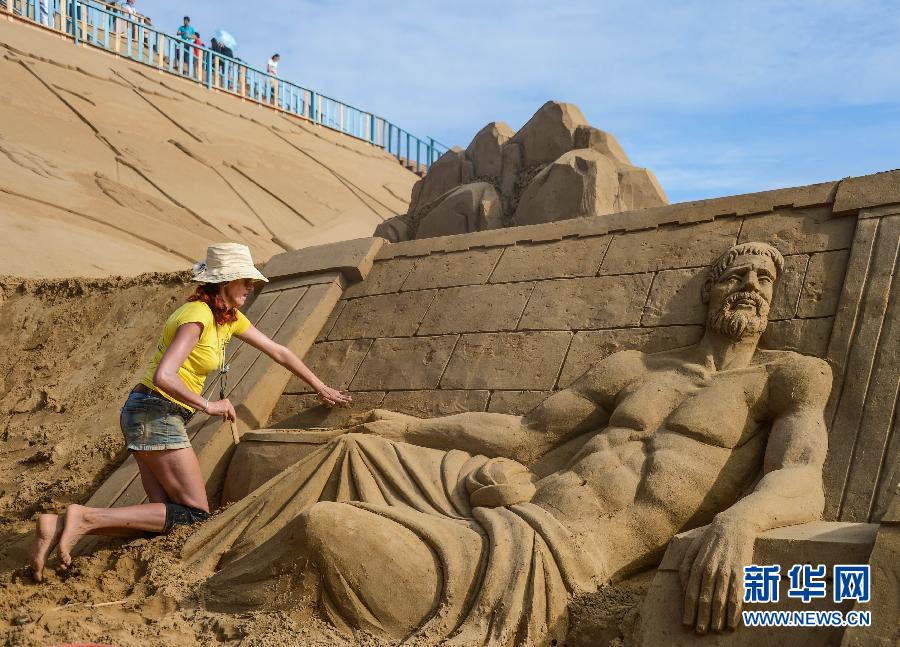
x,y
475,528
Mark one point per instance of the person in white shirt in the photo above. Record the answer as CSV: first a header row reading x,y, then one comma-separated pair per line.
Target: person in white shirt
x,y
128,7
272,68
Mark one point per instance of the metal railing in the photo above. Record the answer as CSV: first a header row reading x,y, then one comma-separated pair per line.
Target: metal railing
x,y
101,25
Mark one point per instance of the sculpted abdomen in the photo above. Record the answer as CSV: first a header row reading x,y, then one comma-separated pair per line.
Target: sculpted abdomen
x,y
680,472
604,477
683,473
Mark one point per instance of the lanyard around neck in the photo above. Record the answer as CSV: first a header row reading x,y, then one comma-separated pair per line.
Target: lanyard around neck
x,y
223,367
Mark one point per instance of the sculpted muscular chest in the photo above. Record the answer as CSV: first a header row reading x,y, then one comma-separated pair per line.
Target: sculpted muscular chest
x,y
636,397
687,400
637,416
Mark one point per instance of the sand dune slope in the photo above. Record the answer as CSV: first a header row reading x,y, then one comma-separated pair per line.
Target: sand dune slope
x,y
110,167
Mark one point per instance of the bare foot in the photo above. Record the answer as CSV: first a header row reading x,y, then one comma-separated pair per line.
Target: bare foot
x,y
47,532
75,526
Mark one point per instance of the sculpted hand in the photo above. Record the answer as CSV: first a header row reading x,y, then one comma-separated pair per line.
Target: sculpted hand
x,y
384,423
331,397
712,574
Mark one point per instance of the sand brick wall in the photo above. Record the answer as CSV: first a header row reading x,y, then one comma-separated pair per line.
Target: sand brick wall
x,y
498,327
497,320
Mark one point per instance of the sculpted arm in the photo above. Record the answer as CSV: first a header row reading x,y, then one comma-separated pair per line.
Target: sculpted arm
x,y
790,492
791,489
579,408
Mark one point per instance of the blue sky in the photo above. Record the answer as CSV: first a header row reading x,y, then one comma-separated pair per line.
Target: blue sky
x,y
717,98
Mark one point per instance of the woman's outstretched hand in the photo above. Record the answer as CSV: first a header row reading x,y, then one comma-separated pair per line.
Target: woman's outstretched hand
x,y
332,397
221,408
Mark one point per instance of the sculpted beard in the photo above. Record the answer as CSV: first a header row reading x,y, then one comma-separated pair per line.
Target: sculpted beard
x,y
737,324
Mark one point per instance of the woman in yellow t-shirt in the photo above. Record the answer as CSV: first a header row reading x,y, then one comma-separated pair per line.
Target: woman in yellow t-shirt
x,y
191,347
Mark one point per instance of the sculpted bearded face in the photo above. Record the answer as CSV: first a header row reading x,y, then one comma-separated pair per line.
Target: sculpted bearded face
x,y
739,290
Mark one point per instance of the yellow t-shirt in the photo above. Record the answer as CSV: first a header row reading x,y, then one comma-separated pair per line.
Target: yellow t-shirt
x,y
207,356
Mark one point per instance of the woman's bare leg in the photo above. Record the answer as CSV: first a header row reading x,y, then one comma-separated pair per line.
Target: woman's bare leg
x,y
178,473
48,529
81,520
172,475
153,488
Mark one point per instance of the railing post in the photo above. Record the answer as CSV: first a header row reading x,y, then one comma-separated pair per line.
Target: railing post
x,y
84,10
312,106
242,80
63,10
209,69
75,20
131,44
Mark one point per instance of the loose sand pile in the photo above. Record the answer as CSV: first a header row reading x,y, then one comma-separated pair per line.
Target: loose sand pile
x,y
138,595
72,349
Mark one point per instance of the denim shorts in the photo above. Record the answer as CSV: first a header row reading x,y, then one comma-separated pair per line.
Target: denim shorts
x,y
150,422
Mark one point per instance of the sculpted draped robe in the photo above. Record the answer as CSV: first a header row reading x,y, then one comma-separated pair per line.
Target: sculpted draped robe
x,y
506,566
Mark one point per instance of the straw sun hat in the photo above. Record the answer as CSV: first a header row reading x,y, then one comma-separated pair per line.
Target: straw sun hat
x,y
226,262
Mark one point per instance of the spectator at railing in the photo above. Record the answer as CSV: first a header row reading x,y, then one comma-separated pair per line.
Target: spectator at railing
x,y
272,65
223,43
186,32
199,44
272,68
199,63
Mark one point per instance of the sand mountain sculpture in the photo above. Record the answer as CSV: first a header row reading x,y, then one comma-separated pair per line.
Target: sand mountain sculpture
x,y
487,522
555,167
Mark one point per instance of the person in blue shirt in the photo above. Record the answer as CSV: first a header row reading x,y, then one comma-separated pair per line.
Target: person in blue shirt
x,y
186,32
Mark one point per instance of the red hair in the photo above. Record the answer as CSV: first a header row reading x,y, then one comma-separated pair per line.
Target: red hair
x,y
208,293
